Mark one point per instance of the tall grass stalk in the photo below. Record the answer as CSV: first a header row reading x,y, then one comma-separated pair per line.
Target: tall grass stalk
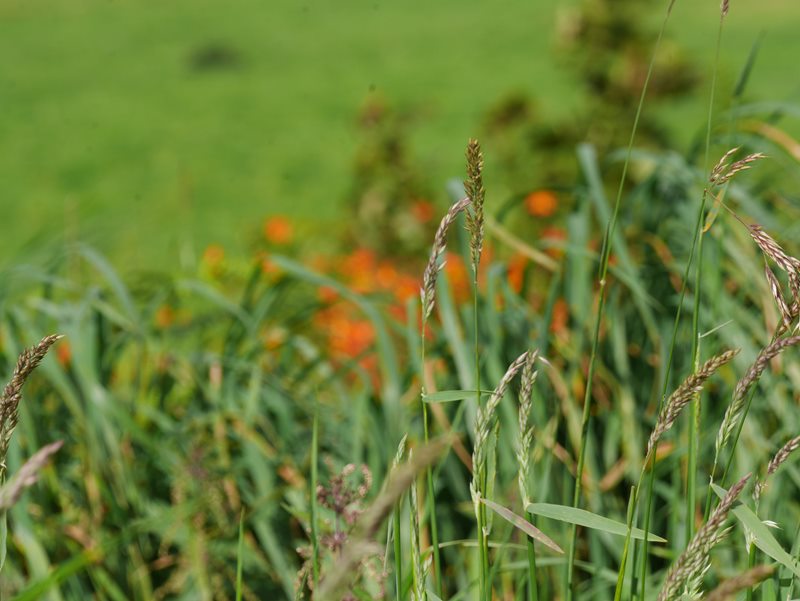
x,y
428,294
602,276
524,461
694,423
398,545
473,186
314,510
694,420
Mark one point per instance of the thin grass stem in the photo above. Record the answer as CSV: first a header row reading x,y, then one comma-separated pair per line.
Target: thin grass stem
x,y
314,484
603,272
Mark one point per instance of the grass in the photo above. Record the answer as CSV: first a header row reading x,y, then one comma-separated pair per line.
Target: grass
x,y
202,460
105,123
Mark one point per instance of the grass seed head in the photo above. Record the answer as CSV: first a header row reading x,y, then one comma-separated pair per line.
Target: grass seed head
x,y
525,430
690,387
692,563
476,193
432,269
727,590
753,374
28,360
779,459
773,250
483,425
777,294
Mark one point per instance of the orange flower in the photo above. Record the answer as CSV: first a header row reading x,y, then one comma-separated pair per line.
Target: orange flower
x,y
64,353
351,337
327,294
406,286
213,255
423,211
165,316
386,275
278,230
558,323
459,277
359,268
541,203
516,271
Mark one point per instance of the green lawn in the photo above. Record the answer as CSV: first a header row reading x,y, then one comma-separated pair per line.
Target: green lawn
x,y
108,135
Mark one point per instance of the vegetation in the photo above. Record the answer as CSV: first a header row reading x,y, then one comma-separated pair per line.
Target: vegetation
x,y
587,391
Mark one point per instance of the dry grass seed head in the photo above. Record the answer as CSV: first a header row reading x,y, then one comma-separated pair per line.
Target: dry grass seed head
x,y
727,590
721,165
779,459
684,394
483,423
694,560
775,289
752,375
525,430
723,171
28,360
432,269
416,551
27,475
772,249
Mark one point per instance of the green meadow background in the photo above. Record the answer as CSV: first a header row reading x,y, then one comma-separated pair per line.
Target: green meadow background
x,y
111,133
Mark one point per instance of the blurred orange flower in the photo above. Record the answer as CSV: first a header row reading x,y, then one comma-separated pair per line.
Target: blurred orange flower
x,y
458,275
405,287
349,337
278,230
165,316
423,211
558,323
541,203
64,353
516,271
386,275
327,294
359,269
213,255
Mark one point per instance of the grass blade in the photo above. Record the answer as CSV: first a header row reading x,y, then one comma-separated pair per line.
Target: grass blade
x,y
522,524
762,537
581,517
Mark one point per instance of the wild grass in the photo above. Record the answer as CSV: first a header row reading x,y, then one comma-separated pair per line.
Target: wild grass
x,y
200,462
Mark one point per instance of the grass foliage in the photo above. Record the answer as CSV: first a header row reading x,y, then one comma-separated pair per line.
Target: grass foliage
x,y
618,420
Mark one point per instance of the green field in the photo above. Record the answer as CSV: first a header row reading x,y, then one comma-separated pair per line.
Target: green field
x,y
109,135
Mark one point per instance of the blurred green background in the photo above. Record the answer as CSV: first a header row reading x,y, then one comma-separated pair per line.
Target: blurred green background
x,y
152,129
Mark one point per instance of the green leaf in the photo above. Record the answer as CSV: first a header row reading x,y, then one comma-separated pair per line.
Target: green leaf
x,y
762,537
581,517
448,396
522,524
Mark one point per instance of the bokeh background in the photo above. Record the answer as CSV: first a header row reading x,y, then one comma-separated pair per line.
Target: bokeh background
x,y
153,129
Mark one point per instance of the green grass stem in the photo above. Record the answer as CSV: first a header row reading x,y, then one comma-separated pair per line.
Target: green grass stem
x,y
603,272
313,492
